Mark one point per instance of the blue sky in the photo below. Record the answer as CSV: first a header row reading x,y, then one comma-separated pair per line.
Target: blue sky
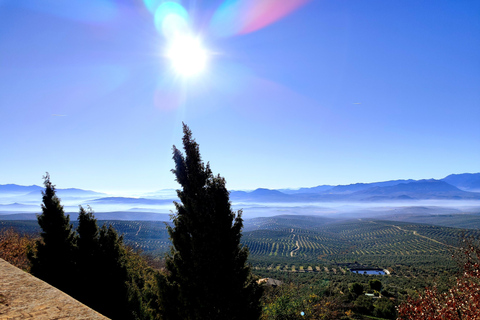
x,y
330,92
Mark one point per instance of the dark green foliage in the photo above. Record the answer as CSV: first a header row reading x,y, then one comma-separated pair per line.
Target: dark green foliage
x,y
385,308
100,260
87,255
88,233
94,265
112,278
111,263
375,285
53,260
283,303
363,304
143,285
208,276
126,286
356,289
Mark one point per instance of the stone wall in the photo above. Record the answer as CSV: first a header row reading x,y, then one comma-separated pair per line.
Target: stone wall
x,y
22,296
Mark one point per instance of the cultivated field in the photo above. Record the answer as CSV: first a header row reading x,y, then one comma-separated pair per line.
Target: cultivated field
x,y
315,244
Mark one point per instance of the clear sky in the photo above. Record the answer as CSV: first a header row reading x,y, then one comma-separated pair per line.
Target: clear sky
x,y
294,94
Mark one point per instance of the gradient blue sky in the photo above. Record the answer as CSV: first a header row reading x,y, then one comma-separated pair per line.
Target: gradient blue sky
x,y
336,92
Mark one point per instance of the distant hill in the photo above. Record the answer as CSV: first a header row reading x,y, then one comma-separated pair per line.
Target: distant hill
x,y
317,189
35,192
380,191
78,192
19,217
114,215
464,181
161,194
127,200
456,220
18,207
70,193
354,200
343,189
261,195
423,189
351,188
15,189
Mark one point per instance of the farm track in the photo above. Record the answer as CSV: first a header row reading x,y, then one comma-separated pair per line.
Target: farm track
x,y
294,250
425,237
296,243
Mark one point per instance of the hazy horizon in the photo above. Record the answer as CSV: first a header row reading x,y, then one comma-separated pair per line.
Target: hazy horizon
x,y
167,192
159,204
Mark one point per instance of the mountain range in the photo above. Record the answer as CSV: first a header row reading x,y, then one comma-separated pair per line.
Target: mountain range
x,y
453,187
35,191
460,189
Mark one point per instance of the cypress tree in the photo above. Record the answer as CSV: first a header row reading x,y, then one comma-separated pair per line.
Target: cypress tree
x,y
88,233
88,245
102,268
53,260
106,280
113,301
94,265
208,276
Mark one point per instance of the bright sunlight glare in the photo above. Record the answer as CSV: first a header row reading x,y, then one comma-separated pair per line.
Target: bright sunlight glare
x,y
187,55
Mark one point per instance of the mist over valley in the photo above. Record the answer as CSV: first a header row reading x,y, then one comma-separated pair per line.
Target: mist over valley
x,y
404,200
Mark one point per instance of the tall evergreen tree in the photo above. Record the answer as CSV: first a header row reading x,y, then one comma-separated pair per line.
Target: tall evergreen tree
x,y
106,280
87,254
102,270
208,276
94,265
112,266
53,259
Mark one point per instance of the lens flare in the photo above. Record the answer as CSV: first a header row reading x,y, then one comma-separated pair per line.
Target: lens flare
x,y
171,18
152,5
187,55
244,16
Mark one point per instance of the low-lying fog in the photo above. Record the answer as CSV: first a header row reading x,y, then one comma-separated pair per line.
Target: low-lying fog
x,y
348,210
157,208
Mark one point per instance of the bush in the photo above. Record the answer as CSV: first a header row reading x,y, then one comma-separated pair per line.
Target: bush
x,y
384,308
375,285
14,247
462,301
356,289
363,305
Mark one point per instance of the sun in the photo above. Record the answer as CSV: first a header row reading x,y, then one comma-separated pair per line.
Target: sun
x,y
187,55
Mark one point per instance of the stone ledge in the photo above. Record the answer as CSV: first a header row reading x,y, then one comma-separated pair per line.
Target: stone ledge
x,y
22,296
